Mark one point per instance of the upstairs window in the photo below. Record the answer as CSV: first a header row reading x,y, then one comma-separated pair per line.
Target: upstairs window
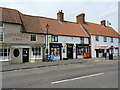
x,y
1,36
97,38
105,39
54,38
33,37
82,40
1,24
111,39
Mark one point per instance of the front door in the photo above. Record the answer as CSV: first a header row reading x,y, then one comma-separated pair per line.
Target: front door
x,y
70,51
97,53
25,55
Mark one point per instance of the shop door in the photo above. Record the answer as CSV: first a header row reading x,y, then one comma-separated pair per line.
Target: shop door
x,y
25,55
97,52
70,51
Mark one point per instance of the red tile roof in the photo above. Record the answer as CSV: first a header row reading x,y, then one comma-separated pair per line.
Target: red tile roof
x,y
97,29
62,28
10,15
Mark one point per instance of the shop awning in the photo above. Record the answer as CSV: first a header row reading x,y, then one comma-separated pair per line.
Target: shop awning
x,y
101,46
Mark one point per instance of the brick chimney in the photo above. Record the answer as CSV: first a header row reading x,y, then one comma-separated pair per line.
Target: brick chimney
x,y
81,18
60,16
103,23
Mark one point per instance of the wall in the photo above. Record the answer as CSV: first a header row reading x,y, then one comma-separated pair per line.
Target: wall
x,y
68,39
101,41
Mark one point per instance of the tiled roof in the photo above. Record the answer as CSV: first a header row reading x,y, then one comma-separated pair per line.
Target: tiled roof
x,y
97,29
10,15
62,28
31,24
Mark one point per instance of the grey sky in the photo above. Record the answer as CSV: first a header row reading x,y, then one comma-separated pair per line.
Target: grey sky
x,y
95,11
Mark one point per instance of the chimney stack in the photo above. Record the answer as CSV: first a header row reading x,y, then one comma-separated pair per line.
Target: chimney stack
x,y
60,16
81,18
103,23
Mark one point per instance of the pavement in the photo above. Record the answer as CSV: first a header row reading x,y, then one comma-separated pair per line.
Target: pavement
x,y
12,67
39,64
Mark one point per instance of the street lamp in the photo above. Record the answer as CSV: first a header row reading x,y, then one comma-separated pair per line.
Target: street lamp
x,y
47,26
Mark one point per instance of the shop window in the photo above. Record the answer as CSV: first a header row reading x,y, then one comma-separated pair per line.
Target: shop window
x,y
33,37
1,36
82,40
119,40
54,38
55,51
105,39
79,51
4,53
111,39
1,24
36,52
97,38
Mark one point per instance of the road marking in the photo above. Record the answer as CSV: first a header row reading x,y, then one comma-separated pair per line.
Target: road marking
x,y
77,78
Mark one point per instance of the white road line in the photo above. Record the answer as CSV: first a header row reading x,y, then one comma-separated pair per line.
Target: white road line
x,y
77,78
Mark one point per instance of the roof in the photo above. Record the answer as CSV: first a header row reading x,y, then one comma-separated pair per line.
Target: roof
x,y
10,15
61,28
96,29
31,24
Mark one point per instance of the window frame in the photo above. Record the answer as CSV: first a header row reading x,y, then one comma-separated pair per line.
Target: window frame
x,y
36,52
82,40
32,37
112,40
105,39
119,40
2,25
1,40
5,55
96,37
53,38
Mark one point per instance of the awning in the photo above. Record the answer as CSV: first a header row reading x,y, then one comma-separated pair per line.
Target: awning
x,y
101,46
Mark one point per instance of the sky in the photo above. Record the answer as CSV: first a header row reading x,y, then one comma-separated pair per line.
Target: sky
x,y
95,10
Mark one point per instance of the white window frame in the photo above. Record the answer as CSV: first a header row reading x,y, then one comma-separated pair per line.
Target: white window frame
x,y
3,37
31,36
34,56
2,26
96,38
8,57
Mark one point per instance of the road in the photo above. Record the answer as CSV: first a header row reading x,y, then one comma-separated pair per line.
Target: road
x,y
87,75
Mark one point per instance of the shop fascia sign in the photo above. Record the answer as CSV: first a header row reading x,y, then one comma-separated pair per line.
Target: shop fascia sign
x,y
16,36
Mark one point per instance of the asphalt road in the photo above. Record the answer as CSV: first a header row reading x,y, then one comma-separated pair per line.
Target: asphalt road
x,y
87,75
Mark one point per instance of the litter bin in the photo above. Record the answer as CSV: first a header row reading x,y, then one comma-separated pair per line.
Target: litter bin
x,y
110,56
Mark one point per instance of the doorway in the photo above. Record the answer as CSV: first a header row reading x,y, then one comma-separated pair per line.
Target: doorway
x,y
25,55
70,51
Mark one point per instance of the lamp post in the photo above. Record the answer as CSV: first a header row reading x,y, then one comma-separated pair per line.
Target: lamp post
x,y
47,26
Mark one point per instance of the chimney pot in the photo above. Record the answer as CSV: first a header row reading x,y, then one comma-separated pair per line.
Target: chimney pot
x,y
60,16
103,23
81,18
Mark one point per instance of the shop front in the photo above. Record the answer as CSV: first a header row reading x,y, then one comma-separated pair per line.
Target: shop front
x,y
56,50
101,50
82,50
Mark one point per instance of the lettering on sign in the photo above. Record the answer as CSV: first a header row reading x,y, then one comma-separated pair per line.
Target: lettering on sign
x,y
16,36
